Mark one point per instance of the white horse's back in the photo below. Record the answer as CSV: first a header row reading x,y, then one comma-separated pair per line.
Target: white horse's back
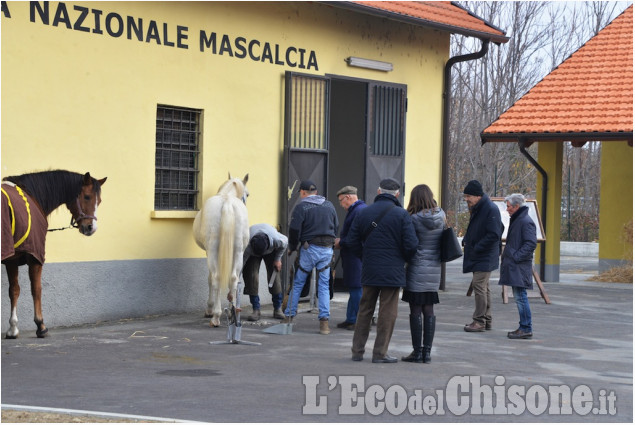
x,y
221,228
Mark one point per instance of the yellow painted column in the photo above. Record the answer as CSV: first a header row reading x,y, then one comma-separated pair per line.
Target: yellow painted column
x,y
616,204
550,159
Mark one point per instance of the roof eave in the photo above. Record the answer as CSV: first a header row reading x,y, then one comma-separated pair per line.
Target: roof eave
x,y
626,136
416,21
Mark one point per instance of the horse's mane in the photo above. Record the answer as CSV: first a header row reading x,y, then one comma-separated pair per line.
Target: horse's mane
x,y
52,188
232,185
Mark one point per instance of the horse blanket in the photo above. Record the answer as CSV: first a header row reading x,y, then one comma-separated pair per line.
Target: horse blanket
x,y
24,225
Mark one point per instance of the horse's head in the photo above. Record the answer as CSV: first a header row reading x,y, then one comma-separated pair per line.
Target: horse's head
x,y
84,209
236,187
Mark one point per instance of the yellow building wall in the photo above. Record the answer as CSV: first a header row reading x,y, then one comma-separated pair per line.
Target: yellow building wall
x,y
550,159
84,101
616,203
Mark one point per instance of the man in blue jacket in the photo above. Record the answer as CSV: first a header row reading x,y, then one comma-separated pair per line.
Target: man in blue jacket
x,y
482,242
384,237
351,264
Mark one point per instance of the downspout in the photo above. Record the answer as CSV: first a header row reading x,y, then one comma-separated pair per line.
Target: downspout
x,y
522,145
447,81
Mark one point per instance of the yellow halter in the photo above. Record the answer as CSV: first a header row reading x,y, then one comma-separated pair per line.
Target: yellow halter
x,y
28,211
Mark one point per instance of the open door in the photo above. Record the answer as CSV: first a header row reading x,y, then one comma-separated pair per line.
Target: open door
x,y
305,140
385,147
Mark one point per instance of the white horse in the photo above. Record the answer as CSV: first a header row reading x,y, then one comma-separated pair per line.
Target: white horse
x,y
221,228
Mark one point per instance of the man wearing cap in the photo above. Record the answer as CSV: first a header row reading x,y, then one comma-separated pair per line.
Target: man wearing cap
x,y
265,243
351,264
384,237
312,232
482,243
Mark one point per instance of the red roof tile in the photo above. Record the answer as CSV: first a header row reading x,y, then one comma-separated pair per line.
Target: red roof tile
x,y
441,15
590,92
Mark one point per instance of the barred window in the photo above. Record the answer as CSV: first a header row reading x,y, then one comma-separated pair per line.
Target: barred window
x,y
176,160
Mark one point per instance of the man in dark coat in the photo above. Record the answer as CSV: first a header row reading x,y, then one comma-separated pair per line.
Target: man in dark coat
x,y
351,263
384,237
517,261
482,242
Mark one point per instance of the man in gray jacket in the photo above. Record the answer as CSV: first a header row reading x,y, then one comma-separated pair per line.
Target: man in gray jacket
x,y
265,243
312,232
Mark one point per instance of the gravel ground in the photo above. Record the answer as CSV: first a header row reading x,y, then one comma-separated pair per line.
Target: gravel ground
x,y
21,416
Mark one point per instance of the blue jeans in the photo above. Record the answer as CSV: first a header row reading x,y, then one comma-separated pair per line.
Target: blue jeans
x,y
276,300
522,302
315,257
353,304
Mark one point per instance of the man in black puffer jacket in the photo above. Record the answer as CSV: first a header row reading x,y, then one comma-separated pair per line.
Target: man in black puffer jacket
x,y
384,237
482,243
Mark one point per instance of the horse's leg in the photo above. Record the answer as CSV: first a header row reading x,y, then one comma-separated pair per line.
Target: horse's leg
x,y
209,311
14,294
35,275
214,302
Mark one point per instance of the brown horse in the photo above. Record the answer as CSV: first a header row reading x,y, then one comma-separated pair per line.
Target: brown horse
x,y
27,201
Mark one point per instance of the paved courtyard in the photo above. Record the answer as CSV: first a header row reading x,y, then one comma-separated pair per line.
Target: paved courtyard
x,y
578,367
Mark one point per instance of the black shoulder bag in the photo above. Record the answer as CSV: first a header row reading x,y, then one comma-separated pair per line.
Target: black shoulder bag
x,y
375,222
450,247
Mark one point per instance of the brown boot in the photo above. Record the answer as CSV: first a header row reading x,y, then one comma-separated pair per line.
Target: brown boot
x,y
254,316
278,314
324,327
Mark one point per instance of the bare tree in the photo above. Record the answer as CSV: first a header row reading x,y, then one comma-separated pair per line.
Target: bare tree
x,y
542,35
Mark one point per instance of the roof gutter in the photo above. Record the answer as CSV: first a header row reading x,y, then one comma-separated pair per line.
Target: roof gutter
x,y
447,81
580,137
522,145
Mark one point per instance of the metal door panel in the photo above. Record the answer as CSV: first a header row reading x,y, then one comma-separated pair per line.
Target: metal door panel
x,y
385,146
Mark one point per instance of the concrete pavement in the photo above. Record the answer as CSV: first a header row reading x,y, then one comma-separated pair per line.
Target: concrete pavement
x,y
578,367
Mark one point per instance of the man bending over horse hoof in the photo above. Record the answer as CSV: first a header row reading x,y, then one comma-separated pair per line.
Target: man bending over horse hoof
x,y
265,243
314,225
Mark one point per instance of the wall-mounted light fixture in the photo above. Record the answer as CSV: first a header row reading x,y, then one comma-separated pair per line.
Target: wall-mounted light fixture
x,y
369,64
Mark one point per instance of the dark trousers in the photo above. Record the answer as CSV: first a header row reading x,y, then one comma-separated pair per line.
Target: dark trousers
x,y
388,305
251,274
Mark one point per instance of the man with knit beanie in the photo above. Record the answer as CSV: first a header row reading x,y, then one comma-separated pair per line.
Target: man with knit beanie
x,y
482,244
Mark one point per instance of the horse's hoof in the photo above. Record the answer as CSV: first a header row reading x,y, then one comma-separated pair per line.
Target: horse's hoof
x,y
207,315
214,324
11,336
41,333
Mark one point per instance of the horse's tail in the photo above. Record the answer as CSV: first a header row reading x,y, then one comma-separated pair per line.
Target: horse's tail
x,y
226,245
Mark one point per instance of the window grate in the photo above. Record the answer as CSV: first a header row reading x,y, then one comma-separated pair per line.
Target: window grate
x,y
308,112
388,126
176,158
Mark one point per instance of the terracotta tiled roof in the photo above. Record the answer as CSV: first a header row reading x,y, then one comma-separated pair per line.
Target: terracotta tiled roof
x,y
442,15
588,97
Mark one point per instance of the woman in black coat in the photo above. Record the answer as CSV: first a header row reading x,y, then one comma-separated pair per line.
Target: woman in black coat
x,y
516,268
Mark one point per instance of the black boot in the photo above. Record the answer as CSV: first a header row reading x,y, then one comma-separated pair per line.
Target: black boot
x,y
429,323
416,329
